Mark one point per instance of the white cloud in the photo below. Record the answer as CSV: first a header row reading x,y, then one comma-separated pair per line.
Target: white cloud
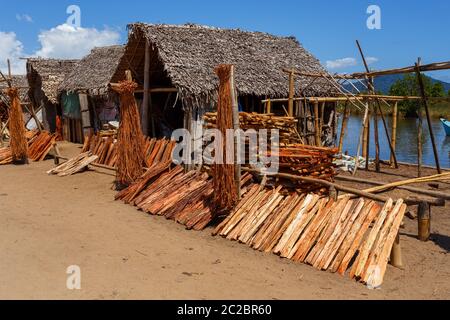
x,y
12,49
371,60
341,63
24,17
69,42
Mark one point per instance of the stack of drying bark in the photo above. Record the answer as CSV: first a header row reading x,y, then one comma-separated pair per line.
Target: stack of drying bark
x,y
287,126
74,165
308,161
39,145
174,194
104,146
327,234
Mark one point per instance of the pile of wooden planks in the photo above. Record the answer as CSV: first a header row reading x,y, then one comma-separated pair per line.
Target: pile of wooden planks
x,y
287,126
39,145
308,161
327,234
5,156
170,192
74,165
104,146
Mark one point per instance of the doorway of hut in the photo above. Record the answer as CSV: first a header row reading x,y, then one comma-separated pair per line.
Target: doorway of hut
x,y
165,113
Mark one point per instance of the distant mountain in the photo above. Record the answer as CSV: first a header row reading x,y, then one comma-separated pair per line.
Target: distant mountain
x,y
384,84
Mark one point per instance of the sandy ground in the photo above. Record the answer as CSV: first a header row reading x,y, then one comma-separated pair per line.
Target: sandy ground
x,y
49,223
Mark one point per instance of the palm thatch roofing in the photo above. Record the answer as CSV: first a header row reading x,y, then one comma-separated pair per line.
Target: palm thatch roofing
x,y
188,54
18,81
94,72
45,75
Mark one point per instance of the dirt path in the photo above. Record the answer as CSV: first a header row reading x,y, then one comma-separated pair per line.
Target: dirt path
x,y
49,223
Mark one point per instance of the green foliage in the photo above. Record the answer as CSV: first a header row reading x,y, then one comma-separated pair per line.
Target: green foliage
x,y
448,93
409,86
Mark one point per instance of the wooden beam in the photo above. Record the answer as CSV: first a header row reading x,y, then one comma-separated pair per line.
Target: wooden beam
x,y
427,111
394,132
291,94
236,123
145,102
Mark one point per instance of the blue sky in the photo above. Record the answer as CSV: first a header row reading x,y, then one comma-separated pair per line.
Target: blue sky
x,y
328,29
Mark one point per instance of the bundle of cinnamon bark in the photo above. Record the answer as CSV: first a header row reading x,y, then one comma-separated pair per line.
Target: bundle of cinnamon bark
x,y
308,161
286,125
338,236
105,147
39,145
168,191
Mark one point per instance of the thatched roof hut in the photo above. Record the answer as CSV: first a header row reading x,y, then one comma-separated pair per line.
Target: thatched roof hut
x,y
18,81
93,73
185,57
45,76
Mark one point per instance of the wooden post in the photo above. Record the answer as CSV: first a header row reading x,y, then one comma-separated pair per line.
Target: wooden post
x,y
368,138
396,254
427,111
322,115
419,143
291,93
85,114
344,126
377,141
236,125
424,221
394,132
145,102
366,124
316,124
269,106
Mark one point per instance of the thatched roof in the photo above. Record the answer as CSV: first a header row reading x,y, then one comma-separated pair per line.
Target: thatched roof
x,y
47,74
94,72
189,54
18,81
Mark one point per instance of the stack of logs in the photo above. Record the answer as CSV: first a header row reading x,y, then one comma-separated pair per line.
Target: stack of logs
x,y
308,161
170,192
286,125
104,146
39,145
327,234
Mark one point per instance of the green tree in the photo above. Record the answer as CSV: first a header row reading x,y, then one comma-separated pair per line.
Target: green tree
x,y
409,86
448,93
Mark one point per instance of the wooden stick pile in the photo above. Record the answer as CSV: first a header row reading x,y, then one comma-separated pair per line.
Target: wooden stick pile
x,y
39,145
105,147
75,165
225,193
18,141
285,125
327,234
183,197
303,160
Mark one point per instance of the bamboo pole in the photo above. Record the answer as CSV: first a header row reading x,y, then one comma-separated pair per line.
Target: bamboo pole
x,y
235,105
424,221
419,143
377,141
343,127
396,254
269,106
291,93
427,111
316,124
394,132
145,101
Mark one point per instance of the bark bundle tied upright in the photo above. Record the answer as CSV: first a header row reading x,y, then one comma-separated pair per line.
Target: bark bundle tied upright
x,y
18,140
225,195
130,140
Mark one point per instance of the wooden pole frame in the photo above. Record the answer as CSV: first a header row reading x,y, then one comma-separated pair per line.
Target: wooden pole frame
x,y
427,111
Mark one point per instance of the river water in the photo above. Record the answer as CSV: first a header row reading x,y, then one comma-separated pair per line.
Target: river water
x,y
406,149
